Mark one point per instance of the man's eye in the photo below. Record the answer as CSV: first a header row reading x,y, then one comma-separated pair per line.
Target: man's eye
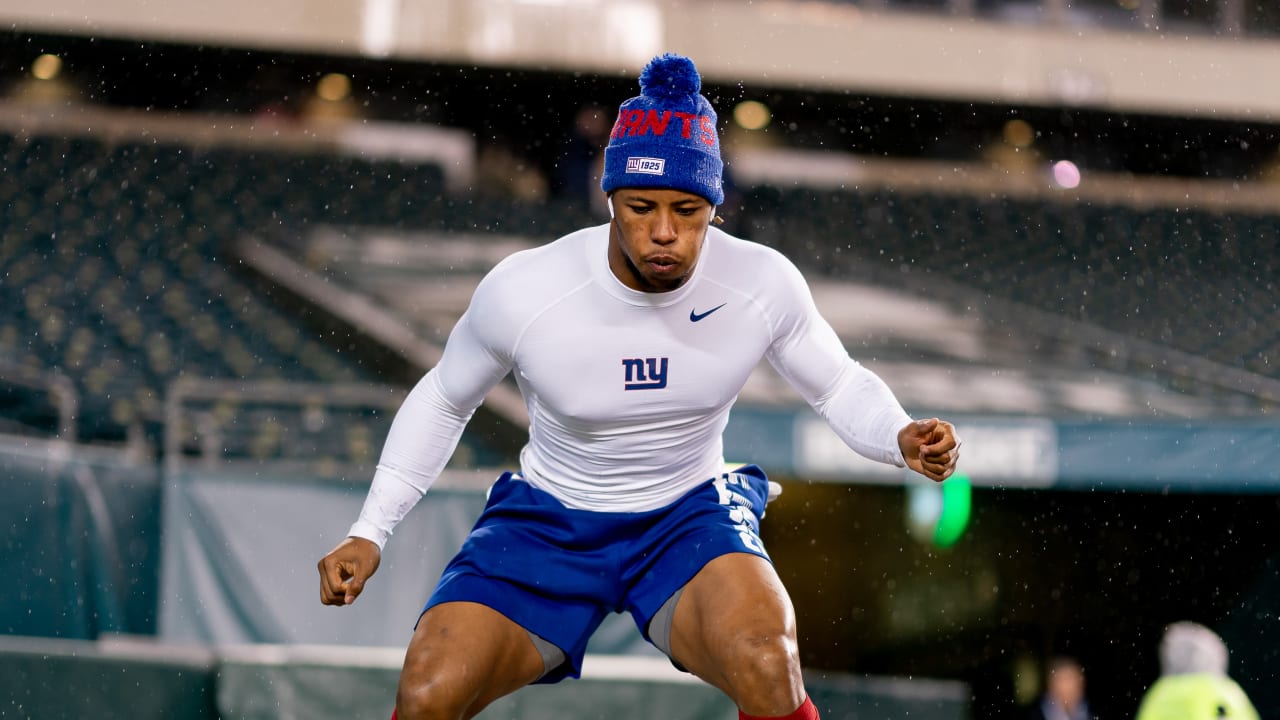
x,y
639,210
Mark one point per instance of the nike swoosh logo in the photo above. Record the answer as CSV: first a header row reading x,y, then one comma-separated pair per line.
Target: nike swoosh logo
x,y
695,316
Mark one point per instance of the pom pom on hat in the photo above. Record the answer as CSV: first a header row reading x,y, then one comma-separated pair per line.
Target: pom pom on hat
x,y
666,136
670,77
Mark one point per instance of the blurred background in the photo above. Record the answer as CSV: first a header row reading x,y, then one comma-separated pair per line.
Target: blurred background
x,y
232,236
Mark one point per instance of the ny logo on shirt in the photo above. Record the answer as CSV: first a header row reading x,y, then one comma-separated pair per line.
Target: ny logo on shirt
x,y
644,373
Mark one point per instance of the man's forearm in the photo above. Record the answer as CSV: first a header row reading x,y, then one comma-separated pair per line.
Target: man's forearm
x,y
867,416
422,438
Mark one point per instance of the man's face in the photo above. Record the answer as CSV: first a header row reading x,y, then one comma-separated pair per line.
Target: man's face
x,y
1066,684
656,237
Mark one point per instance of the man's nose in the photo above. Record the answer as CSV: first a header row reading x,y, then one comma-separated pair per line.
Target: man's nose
x,y
664,227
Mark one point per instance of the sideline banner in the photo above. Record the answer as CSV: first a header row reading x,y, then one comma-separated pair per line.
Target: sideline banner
x,y
1203,455
80,530
240,553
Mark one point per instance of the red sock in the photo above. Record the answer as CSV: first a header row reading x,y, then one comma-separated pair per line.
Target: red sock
x,y
806,711
393,715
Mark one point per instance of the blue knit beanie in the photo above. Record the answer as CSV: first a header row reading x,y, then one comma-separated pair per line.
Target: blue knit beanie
x,y
666,137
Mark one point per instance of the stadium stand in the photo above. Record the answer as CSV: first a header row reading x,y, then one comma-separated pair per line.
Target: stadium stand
x,y
117,269
1194,280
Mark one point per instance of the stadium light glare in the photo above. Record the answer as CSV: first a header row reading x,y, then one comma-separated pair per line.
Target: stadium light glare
x,y
334,87
957,505
1066,175
1019,133
46,67
752,115
938,513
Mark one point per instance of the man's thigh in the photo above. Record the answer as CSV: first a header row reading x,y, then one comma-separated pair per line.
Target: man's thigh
x,y
734,627
735,601
470,655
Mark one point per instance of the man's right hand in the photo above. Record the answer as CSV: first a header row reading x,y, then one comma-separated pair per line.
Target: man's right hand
x,y
344,571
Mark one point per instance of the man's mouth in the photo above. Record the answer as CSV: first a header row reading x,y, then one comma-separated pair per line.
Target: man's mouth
x,y
662,263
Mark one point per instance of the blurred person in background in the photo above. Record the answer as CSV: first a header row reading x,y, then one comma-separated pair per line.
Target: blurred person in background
x,y
1064,696
1193,682
580,160
630,342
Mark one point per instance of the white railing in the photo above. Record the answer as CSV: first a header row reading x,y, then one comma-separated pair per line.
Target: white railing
x,y
58,388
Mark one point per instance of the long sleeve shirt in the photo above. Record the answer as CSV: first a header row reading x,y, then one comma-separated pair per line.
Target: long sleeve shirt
x,y
628,392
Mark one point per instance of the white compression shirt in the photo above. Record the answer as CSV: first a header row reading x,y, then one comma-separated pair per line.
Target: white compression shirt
x,y
628,392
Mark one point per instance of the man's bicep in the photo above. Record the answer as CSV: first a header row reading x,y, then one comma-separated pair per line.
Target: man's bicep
x,y
811,358
804,348
471,364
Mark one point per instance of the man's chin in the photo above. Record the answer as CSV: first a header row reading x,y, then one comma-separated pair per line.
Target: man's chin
x,y
669,280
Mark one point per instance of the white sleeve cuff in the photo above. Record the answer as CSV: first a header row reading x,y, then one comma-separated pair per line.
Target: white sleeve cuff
x,y
367,530
390,498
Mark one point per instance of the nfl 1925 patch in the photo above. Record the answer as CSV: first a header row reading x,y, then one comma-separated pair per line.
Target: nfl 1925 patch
x,y
648,166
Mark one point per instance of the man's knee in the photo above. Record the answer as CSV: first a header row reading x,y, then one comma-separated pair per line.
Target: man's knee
x,y
764,660
429,700
426,701
761,674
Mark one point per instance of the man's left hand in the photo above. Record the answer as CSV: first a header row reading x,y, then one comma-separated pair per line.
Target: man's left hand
x,y
930,447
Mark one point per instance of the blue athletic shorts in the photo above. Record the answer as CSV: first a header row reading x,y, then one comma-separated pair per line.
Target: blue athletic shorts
x,y
558,572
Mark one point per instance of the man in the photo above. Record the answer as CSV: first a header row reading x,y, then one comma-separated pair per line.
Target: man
x,y
1064,697
630,342
1193,681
